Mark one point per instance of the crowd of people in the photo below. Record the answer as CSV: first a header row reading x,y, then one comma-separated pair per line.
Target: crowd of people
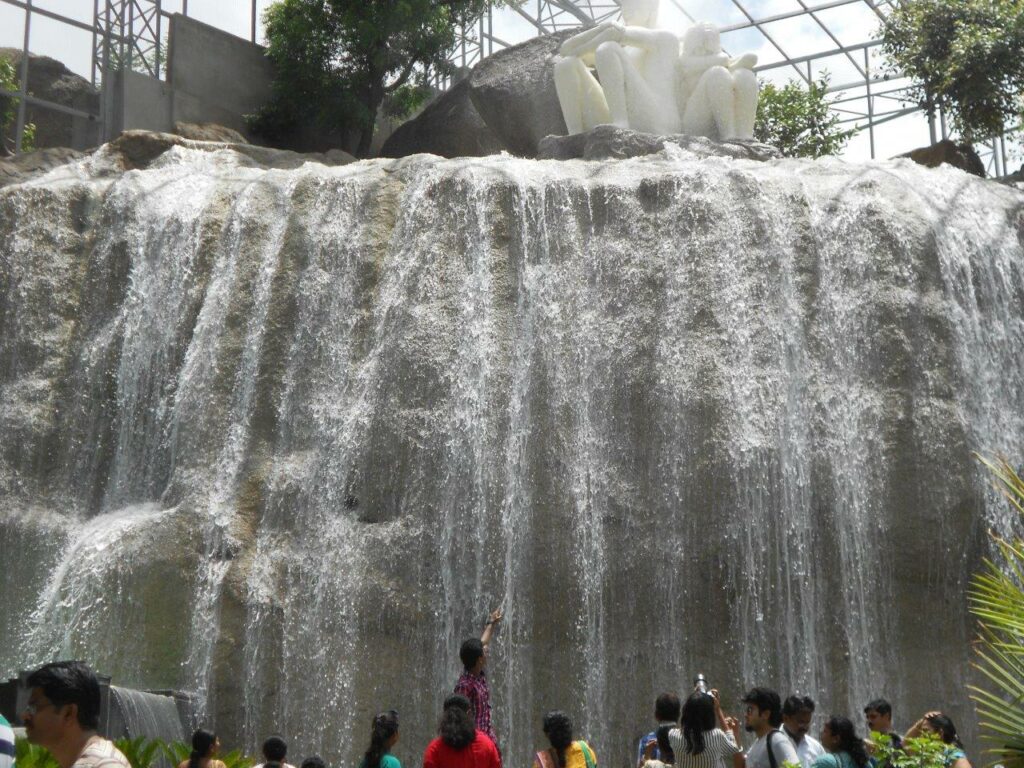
x,y
62,714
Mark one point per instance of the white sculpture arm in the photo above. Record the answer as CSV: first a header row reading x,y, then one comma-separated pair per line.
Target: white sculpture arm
x,y
746,61
586,42
693,65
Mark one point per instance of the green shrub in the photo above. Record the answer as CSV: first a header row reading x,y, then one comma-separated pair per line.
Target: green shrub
x,y
799,121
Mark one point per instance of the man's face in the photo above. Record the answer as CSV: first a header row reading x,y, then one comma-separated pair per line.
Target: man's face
x,y
45,722
798,725
481,662
878,722
755,718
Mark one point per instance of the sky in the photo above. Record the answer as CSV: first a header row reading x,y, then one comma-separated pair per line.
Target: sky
x,y
850,24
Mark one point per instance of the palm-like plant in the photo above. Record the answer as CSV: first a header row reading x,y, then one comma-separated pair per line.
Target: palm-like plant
x,y
996,597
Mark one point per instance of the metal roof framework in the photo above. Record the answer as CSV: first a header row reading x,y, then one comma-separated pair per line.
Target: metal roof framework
x,y
795,39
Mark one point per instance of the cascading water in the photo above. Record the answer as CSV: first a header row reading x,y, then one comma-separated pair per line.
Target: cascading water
x,y
148,714
283,438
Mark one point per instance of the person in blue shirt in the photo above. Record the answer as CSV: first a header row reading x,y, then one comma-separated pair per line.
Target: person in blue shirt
x,y
667,708
383,736
939,724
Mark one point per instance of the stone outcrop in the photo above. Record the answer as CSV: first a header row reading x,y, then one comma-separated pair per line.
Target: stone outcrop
x,y
506,103
51,80
449,126
948,152
606,142
513,90
209,132
14,170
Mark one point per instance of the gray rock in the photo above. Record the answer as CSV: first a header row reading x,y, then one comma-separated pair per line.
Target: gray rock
x,y
49,79
514,92
209,132
137,149
607,142
449,126
15,170
960,156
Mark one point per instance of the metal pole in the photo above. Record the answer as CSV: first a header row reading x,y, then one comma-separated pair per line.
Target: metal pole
x,y
19,127
254,21
871,109
95,42
159,20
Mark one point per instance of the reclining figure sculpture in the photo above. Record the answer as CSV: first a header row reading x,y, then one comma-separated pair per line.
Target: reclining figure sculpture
x,y
634,75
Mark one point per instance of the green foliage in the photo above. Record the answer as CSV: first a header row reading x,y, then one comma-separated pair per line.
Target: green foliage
x,y
336,61
9,106
799,121
29,755
966,57
925,751
996,597
140,751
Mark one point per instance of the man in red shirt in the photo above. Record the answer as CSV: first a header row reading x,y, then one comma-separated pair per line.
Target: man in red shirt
x,y
473,682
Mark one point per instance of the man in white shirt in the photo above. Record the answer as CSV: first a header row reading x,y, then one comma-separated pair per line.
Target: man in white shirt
x,y
763,718
796,722
63,714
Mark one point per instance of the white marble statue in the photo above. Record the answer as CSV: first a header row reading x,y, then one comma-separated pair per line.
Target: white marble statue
x,y
718,93
634,61
634,75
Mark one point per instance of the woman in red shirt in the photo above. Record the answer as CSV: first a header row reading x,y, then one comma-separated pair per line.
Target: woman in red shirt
x,y
460,744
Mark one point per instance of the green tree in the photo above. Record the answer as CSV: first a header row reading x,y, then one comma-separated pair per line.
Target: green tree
x,y
966,57
799,120
996,597
9,109
336,61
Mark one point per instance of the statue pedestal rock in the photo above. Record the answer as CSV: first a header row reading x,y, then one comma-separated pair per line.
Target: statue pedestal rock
x,y
633,75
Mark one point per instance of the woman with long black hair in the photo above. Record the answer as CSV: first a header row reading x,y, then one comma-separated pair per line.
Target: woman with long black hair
x,y
205,746
845,747
383,736
942,726
459,744
564,751
708,737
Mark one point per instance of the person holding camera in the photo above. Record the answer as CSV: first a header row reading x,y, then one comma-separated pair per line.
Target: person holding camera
x,y
708,737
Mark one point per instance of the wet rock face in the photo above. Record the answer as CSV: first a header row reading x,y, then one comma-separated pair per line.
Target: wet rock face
x,y
299,427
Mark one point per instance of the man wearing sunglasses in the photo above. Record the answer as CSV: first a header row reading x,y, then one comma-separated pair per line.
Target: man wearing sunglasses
x,y
63,713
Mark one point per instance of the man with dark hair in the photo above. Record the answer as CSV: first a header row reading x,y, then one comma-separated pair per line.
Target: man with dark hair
x,y
275,749
763,718
796,722
473,682
667,708
878,713
63,713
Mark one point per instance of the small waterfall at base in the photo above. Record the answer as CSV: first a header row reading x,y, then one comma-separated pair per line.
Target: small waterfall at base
x,y
147,714
282,438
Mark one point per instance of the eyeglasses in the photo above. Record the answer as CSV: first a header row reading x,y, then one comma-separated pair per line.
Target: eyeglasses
x,y
32,709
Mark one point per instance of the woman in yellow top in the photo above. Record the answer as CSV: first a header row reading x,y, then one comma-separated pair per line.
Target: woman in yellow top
x,y
564,752
205,746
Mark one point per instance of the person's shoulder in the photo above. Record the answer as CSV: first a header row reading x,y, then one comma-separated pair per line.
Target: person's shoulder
x,y
390,761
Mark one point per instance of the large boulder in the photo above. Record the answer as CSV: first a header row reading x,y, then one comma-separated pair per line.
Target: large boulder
x,y
209,132
49,79
14,170
449,126
514,93
608,142
960,156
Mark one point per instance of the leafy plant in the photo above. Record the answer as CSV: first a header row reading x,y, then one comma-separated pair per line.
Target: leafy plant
x,y
335,61
996,597
29,755
966,57
925,751
799,120
140,751
176,752
9,108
